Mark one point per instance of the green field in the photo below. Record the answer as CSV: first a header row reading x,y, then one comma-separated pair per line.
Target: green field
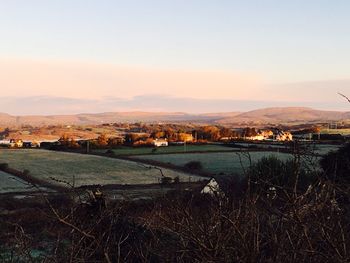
x,y
124,150
9,183
336,131
323,149
86,169
215,163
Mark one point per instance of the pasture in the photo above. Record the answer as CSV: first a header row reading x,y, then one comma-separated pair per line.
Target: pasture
x,y
218,163
9,184
83,169
336,131
323,149
125,150
311,147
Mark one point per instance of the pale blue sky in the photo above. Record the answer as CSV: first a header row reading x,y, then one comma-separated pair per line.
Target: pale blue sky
x,y
277,41
285,41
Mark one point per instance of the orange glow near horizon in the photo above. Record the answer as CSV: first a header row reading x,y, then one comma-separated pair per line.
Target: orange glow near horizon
x,y
92,80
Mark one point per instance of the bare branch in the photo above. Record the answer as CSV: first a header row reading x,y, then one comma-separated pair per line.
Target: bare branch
x,y
344,96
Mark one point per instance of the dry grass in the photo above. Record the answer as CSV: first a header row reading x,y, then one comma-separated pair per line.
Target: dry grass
x,y
86,169
9,183
215,163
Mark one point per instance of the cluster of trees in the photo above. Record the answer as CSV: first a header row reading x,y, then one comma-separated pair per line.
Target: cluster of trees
x,y
68,142
5,133
308,130
249,132
214,133
176,132
102,141
173,133
137,139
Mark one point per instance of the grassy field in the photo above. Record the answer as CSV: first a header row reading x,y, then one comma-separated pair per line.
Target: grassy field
x,y
127,151
86,169
9,183
215,163
323,149
336,131
124,150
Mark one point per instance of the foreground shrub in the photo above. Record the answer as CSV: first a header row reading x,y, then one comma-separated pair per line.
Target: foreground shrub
x,y
336,165
273,172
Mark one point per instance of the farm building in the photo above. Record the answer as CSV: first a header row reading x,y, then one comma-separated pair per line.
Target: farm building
x,y
257,137
284,136
18,143
267,133
185,137
212,188
160,142
4,142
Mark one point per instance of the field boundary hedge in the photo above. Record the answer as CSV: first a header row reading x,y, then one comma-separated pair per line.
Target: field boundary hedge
x,y
32,180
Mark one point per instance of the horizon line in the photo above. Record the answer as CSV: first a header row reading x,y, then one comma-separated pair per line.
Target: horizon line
x,y
173,112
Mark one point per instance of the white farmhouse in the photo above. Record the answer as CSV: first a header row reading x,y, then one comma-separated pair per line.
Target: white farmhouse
x,y
5,142
258,137
160,142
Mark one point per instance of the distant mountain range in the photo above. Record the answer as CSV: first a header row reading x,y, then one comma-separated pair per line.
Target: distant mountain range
x,y
286,115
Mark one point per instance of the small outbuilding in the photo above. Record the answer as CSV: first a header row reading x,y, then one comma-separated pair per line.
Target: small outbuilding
x,y
160,142
212,188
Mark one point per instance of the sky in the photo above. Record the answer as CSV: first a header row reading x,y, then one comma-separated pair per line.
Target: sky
x,y
237,55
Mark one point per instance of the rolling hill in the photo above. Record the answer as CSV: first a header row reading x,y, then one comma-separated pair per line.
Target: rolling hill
x,y
286,115
260,116
99,118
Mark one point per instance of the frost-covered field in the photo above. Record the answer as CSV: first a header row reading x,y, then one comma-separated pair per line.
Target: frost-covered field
x,y
9,183
86,169
124,150
217,163
323,149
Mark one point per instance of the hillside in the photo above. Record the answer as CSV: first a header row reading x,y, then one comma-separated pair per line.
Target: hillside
x,y
109,117
260,116
286,115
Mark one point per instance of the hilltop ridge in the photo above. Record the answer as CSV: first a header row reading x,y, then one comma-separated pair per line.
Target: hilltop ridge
x,y
259,116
